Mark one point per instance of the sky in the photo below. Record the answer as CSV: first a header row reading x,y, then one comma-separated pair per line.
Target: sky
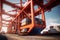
x,y
52,17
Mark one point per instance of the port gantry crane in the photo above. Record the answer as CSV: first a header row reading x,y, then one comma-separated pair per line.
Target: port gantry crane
x,y
28,11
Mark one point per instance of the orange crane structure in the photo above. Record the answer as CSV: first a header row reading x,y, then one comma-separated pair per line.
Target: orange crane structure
x,y
28,11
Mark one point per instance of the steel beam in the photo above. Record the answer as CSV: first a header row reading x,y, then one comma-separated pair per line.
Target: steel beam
x,y
43,17
11,4
8,14
21,4
51,4
32,11
6,20
1,6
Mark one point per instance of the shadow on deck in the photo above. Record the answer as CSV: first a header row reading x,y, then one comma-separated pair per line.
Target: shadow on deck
x,y
2,37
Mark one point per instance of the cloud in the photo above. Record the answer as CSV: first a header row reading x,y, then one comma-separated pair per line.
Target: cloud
x,y
54,23
50,22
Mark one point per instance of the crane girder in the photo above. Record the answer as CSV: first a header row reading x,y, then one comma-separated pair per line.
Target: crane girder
x,y
11,4
51,4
